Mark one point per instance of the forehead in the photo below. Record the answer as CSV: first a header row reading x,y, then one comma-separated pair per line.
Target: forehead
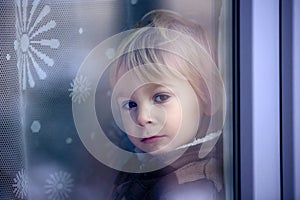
x,y
129,84
149,64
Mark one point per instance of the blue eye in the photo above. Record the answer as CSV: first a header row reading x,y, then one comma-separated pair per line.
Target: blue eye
x,y
160,98
129,105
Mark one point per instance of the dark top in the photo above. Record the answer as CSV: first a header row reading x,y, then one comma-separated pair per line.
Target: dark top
x,y
187,178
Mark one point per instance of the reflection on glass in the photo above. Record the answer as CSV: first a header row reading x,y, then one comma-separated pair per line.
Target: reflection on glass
x,y
169,95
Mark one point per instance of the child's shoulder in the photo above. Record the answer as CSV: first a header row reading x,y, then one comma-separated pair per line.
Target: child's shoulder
x,y
207,169
199,189
196,180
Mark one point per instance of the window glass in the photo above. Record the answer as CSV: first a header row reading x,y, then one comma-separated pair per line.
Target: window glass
x,y
113,99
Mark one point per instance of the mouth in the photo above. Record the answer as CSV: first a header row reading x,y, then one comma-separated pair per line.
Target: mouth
x,y
152,139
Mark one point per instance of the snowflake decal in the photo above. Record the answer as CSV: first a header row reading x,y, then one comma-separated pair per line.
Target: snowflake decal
x,y
20,185
80,31
80,89
69,140
133,2
59,186
8,56
35,126
110,53
28,26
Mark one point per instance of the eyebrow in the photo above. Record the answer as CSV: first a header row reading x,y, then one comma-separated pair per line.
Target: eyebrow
x,y
156,86
121,93
121,98
120,101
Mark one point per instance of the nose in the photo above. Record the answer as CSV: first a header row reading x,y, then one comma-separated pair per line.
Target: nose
x,y
143,116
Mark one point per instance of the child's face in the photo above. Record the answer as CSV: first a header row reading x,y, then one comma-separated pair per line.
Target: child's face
x,y
157,116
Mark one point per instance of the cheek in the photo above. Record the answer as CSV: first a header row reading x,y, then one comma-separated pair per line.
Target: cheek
x,y
174,115
191,116
136,142
128,125
127,121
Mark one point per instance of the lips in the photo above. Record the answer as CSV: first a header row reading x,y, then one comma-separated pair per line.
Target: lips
x,y
151,139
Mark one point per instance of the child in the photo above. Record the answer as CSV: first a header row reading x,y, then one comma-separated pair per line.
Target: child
x,y
168,98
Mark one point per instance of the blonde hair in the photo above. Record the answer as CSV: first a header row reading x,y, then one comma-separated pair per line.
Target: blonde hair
x,y
193,56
